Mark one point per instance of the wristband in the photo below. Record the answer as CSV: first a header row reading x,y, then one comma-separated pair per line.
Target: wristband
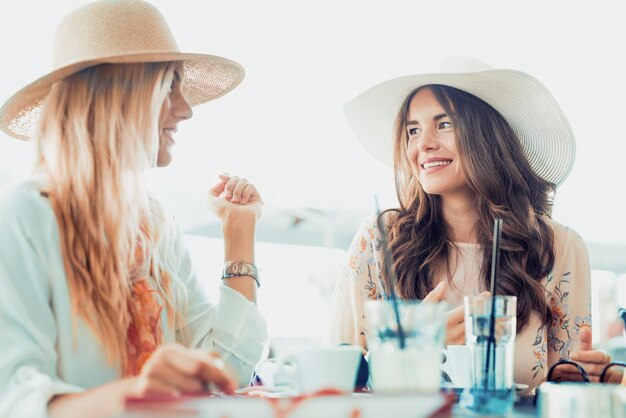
x,y
241,268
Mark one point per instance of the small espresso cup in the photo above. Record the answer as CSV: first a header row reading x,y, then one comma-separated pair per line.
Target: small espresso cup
x,y
457,366
312,369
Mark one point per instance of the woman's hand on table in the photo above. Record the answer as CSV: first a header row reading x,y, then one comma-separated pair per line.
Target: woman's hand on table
x,y
593,361
173,370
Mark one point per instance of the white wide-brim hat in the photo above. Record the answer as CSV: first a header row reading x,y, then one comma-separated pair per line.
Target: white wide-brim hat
x,y
532,112
117,31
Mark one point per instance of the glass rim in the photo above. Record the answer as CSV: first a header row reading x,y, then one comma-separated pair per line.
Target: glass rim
x,y
487,297
400,302
413,303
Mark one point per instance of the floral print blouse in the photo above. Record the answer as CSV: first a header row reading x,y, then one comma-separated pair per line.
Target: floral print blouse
x,y
537,346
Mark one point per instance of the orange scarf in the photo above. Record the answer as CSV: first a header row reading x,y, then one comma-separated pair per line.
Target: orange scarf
x,y
144,331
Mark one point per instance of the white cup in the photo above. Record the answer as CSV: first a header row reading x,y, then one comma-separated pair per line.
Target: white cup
x,y
312,369
457,365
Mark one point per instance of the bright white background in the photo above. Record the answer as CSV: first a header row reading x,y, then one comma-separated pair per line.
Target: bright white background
x,y
284,129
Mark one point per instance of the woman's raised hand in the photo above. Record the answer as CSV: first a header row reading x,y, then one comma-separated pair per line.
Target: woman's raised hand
x,y
235,195
455,318
173,370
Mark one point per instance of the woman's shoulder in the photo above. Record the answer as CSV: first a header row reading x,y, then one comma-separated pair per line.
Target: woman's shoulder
x,y
376,221
570,250
370,228
565,237
24,203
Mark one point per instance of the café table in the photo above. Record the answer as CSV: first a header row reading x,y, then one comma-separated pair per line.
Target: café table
x,y
523,408
358,405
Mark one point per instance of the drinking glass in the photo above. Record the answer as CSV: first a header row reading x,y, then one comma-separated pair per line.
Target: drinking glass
x,y
492,390
416,366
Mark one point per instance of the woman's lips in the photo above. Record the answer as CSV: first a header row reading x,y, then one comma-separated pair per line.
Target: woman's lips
x,y
431,166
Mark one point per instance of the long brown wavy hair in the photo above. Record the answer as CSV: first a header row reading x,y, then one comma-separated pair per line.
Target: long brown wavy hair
x,y
503,185
97,136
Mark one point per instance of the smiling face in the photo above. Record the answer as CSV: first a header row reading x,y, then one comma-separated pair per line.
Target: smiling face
x,y
432,148
174,109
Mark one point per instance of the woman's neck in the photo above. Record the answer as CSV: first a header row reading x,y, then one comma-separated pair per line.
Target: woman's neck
x,y
460,215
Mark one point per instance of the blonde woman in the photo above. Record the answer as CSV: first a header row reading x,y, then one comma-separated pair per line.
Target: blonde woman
x,y
98,297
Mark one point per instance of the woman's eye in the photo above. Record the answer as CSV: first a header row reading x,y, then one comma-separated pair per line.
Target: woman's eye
x,y
445,125
413,131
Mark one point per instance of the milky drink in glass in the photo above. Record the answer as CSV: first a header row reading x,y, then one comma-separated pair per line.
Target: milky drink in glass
x,y
416,367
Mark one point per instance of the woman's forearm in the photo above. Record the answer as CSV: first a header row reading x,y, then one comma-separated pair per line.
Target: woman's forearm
x,y
239,236
100,402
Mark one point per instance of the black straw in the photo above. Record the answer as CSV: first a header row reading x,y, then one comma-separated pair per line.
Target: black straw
x,y
390,273
490,366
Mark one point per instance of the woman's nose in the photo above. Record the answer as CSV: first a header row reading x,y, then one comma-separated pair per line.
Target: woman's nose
x,y
427,141
182,109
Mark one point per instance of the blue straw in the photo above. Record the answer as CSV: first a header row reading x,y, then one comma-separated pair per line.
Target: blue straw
x,y
391,275
490,366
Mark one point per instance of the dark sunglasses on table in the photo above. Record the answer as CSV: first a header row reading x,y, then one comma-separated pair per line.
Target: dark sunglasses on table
x,y
621,313
583,373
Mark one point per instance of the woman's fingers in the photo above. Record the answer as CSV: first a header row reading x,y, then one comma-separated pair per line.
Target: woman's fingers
x,y
564,376
170,369
592,356
180,359
570,373
593,361
247,193
437,294
210,368
593,369
235,189
151,386
187,370
584,335
180,382
230,186
238,189
455,326
456,316
566,369
173,369
218,189
214,371
455,335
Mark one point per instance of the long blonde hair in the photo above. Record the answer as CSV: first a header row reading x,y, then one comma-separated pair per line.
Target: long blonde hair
x,y
98,134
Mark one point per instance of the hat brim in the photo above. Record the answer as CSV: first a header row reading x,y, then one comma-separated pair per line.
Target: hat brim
x,y
534,115
207,77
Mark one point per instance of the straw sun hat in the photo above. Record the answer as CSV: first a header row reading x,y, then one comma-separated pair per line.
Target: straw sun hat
x,y
541,126
116,31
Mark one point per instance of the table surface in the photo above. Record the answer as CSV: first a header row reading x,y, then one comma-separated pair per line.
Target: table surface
x,y
364,405
524,408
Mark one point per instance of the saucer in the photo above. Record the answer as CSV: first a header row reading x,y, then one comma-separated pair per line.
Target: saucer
x,y
281,391
449,387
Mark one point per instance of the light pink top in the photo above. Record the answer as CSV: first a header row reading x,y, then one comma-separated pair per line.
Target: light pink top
x,y
537,346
